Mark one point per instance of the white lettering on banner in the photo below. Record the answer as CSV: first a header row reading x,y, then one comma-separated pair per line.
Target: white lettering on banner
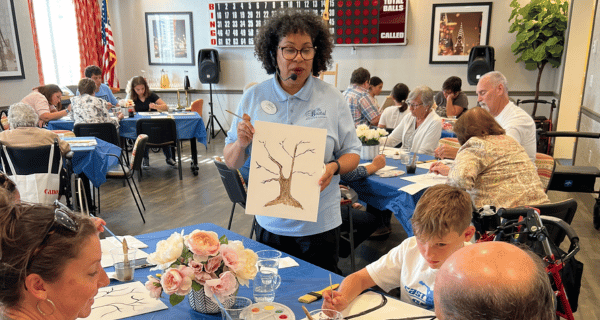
x,y
387,8
393,2
392,35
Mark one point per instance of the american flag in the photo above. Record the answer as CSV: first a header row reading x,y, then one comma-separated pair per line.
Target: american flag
x,y
109,56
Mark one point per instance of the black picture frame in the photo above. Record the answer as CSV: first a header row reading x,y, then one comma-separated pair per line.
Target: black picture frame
x,y
448,22
11,61
170,38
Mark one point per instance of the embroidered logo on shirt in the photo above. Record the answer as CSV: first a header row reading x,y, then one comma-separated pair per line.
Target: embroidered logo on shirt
x,y
316,113
420,298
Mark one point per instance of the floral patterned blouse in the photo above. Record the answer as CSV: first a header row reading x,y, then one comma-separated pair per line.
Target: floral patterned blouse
x,y
496,170
89,109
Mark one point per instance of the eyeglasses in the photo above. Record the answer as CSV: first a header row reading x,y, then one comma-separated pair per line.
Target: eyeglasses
x,y
61,219
290,53
414,106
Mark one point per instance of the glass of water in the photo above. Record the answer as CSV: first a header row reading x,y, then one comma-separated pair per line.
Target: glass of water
x,y
264,284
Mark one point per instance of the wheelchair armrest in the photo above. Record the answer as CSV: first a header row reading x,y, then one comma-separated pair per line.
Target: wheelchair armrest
x,y
573,134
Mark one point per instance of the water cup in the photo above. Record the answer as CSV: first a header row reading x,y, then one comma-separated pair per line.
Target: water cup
x,y
405,158
268,260
124,270
326,314
412,166
125,112
264,285
235,307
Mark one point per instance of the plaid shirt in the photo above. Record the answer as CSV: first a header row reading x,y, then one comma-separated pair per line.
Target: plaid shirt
x,y
363,107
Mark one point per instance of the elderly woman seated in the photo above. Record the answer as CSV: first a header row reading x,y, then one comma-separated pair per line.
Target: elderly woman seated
x,y
493,167
50,262
420,130
24,131
89,109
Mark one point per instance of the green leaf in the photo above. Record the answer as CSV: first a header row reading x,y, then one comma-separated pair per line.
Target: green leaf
x,y
196,286
223,239
530,65
175,299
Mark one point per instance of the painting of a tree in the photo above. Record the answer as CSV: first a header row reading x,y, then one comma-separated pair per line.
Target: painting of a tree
x,y
285,182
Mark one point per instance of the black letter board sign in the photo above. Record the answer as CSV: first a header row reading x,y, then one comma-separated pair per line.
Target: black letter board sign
x,y
352,22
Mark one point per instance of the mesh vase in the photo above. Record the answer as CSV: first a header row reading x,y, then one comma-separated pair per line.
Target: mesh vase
x,y
202,303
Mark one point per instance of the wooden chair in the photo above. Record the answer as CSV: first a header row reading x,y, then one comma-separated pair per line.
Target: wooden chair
x,y
197,106
330,73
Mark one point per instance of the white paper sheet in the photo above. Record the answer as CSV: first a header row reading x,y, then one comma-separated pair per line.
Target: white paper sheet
x,y
422,181
123,301
386,168
82,142
111,243
287,262
427,165
272,191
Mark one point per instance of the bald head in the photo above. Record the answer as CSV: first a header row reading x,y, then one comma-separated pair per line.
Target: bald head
x,y
493,279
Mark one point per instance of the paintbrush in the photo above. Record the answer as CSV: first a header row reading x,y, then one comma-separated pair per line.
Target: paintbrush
x,y
308,316
384,143
235,114
331,285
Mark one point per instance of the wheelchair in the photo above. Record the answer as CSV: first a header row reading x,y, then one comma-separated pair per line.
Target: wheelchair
x,y
524,226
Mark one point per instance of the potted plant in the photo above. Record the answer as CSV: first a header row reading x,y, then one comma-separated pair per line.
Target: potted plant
x,y
540,26
370,140
202,265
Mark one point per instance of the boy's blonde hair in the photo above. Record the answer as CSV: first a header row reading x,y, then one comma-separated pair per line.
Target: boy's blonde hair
x,y
442,209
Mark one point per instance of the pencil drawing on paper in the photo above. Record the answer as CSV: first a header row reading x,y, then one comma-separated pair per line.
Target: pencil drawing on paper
x,y
285,183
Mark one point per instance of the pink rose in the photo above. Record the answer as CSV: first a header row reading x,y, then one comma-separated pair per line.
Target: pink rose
x,y
153,285
203,243
223,287
199,275
231,256
213,264
177,281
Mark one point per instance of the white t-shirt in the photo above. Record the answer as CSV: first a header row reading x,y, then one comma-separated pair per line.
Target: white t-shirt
x,y
404,267
520,126
392,116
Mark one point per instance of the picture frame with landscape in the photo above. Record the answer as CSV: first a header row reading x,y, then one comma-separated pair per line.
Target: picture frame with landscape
x,y
170,38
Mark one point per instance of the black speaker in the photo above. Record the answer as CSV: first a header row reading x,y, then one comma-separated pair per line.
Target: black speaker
x,y
209,66
481,61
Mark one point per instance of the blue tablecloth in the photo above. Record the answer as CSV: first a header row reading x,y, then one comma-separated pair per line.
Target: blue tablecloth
x,y
448,134
94,161
296,281
383,193
188,126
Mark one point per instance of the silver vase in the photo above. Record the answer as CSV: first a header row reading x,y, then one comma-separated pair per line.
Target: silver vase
x,y
369,152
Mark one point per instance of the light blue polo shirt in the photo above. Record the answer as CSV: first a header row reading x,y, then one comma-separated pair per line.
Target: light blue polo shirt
x,y
318,105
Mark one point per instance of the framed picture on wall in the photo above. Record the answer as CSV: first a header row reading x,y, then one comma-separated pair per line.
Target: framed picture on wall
x,y
456,29
11,63
170,38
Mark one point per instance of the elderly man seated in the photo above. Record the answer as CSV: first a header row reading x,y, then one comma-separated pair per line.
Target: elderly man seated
x,y
493,280
492,95
24,131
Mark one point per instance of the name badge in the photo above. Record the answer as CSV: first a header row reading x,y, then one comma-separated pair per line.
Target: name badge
x,y
268,107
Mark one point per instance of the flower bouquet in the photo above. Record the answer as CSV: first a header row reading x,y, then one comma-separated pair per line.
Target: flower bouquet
x,y
370,137
202,264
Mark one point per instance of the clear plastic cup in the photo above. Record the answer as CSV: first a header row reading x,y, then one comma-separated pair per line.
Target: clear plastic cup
x,y
235,307
264,285
326,314
270,260
124,269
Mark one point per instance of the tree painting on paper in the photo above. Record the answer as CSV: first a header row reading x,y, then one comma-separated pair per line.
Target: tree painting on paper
x,y
283,176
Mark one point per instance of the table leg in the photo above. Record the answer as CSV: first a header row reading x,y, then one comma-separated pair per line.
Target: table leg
x,y
194,149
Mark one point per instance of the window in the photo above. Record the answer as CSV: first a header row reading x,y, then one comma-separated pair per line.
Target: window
x,y
57,39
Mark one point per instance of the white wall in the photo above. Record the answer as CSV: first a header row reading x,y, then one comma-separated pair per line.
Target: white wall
x,y
12,91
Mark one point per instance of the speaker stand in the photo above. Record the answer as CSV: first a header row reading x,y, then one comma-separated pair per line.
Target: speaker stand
x,y
210,125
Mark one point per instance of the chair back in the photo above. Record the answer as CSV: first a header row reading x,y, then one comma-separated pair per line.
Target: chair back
x,y
160,132
31,160
564,210
545,166
105,131
197,106
233,183
138,152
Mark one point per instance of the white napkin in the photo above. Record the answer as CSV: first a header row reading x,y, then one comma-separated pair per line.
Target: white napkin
x,y
287,262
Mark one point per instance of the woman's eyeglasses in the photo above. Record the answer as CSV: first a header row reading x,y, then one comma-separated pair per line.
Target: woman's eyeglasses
x,y
414,106
290,53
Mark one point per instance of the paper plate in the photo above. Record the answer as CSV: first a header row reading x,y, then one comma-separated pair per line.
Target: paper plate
x,y
390,173
270,310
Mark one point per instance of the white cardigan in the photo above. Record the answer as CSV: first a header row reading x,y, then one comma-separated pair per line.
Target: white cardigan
x,y
426,136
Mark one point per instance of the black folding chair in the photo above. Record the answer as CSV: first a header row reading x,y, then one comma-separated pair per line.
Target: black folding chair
x,y
161,133
105,131
236,190
24,161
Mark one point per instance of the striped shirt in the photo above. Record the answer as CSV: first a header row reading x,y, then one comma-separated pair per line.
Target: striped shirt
x,y
363,107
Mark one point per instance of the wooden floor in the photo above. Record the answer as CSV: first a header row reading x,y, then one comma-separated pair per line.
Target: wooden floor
x,y
172,203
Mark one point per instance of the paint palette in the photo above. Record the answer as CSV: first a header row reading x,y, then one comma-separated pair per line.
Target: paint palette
x,y
269,311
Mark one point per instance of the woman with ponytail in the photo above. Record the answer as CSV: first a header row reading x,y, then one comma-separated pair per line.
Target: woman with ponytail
x,y
391,117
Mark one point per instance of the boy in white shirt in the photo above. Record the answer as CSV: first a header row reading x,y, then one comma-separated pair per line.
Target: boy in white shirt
x,y
441,223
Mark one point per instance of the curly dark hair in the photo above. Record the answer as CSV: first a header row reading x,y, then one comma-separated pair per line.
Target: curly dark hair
x,y
290,21
476,122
